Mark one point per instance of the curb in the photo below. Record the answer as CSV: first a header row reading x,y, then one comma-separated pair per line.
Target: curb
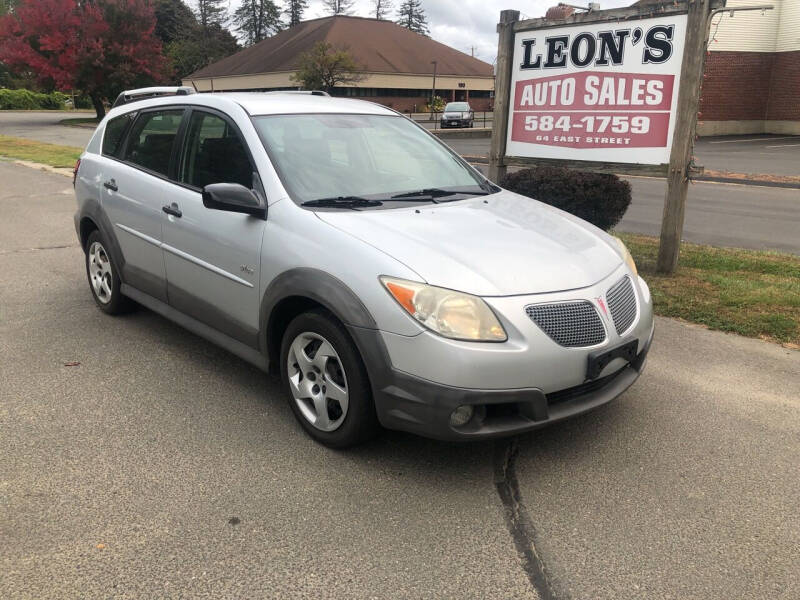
x,y
63,123
466,133
65,172
758,182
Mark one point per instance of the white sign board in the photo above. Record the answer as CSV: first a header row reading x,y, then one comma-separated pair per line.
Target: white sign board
x,y
600,91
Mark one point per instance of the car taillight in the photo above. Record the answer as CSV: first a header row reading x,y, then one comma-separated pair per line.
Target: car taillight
x,y
75,172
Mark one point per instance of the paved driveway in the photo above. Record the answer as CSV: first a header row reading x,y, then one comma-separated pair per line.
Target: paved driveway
x,y
43,126
161,466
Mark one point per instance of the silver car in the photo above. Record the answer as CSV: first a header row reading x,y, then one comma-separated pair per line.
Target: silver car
x,y
457,114
340,245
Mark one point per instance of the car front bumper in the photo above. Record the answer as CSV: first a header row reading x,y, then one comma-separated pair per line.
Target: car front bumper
x,y
408,403
522,384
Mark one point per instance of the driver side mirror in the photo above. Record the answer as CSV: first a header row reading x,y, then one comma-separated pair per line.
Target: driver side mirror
x,y
233,197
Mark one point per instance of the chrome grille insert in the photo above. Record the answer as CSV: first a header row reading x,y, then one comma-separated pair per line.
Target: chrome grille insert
x,y
622,304
571,324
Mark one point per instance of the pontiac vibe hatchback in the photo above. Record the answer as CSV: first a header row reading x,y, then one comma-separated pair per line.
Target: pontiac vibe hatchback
x,y
340,245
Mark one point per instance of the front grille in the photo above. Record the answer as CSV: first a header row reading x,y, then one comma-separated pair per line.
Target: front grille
x,y
571,324
622,304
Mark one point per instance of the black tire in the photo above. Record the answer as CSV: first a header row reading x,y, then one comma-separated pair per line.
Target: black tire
x,y
360,421
115,303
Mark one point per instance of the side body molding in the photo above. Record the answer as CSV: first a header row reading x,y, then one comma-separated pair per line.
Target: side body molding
x,y
319,286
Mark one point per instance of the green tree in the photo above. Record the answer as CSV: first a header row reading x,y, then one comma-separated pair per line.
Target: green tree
x,y
211,13
411,15
256,20
174,20
199,48
339,7
382,8
6,6
325,66
294,11
187,45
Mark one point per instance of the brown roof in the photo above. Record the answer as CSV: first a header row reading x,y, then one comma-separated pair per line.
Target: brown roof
x,y
380,46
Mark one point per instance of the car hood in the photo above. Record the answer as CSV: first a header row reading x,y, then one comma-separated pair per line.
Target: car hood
x,y
499,245
456,114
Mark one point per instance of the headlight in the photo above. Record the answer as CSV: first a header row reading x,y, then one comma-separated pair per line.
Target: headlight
x,y
450,314
626,255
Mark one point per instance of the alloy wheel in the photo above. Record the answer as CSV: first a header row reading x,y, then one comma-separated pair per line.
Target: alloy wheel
x,y
317,381
100,273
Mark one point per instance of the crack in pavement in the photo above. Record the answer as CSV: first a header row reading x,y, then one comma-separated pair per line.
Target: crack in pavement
x,y
37,249
518,522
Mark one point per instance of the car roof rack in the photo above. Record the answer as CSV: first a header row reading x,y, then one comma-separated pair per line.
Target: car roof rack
x,y
307,92
151,92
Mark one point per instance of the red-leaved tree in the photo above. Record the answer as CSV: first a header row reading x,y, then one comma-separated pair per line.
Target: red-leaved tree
x,y
97,46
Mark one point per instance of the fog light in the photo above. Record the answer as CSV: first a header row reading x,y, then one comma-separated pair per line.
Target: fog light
x,y
461,415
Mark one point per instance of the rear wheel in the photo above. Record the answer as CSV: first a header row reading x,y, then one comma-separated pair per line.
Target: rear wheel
x,y
327,384
103,276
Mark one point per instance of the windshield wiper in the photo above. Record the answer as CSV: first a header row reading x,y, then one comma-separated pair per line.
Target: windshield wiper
x,y
433,193
342,202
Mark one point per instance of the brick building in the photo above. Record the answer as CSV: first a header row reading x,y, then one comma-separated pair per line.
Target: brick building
x,y
396,64
752,75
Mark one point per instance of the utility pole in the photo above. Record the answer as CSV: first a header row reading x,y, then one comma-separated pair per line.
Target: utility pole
x,y
694,53
433,88
502,86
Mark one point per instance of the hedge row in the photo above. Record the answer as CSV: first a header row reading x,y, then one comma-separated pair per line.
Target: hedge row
x,y
28,100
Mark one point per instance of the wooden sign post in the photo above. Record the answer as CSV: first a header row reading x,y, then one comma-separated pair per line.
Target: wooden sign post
x,y
610,91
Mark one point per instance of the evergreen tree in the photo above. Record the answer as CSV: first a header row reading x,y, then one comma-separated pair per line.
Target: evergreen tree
x,y
294,11
174,20
382,8
214,41
339,7
411,15
256,20
210,13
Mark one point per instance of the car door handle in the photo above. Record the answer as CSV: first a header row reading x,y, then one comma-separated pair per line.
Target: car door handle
x,y
173,210
110,185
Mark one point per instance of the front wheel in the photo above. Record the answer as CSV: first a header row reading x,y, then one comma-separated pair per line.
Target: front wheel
x,y
326,381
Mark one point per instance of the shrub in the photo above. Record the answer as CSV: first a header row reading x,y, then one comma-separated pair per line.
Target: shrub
x,y
437,106
595,197
28,100
53,101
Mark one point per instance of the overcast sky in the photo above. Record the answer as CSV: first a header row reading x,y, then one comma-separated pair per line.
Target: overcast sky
x,y
461,23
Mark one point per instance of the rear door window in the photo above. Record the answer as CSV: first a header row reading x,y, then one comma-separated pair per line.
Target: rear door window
x,y
152,138
214,153
114,134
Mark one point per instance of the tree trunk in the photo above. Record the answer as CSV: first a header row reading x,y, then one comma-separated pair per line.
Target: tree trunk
x,y
99,108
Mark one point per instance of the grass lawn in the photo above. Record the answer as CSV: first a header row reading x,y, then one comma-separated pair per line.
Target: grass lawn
x,y
48,154
751,293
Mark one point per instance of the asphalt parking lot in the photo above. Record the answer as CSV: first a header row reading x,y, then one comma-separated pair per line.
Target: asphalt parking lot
x,y
161,466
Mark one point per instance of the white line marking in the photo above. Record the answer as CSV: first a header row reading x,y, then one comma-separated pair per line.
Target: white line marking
x,y
788,137
782,146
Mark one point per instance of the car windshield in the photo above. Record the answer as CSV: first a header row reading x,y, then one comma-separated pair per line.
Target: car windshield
x,y
457,106
339,157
